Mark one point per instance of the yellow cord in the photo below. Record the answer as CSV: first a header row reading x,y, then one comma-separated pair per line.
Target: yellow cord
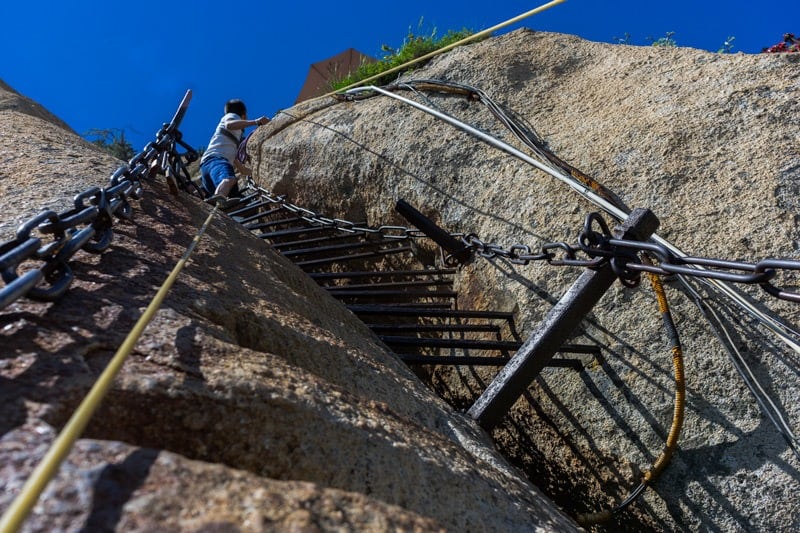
x,y
465,40
23,504
671,444
680,385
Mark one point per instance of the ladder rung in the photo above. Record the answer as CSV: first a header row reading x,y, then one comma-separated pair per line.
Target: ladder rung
x,y
292,232
466,360
426,328
453,313
382,273
391,285
411,359
271,223
467,344
331,248
347,292
319,262
313,240
256,216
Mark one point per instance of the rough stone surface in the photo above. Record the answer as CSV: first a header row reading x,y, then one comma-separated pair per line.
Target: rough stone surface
x,y
253,400
44,164
707,141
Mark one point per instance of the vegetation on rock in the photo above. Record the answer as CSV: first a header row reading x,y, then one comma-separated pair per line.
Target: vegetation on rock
x,y
413,47
112,141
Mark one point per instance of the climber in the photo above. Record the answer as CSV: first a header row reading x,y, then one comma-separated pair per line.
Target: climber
x,y
219,162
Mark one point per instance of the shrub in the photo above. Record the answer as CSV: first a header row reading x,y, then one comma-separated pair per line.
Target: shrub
x,y
112,141
727,46
667,41
413,47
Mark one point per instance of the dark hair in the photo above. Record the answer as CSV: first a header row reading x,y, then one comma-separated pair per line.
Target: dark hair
x,y
235,106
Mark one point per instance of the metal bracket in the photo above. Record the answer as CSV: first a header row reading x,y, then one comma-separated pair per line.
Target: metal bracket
x,y
457,249
511,382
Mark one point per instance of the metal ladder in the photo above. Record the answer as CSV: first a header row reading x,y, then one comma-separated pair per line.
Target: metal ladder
x,y
412,309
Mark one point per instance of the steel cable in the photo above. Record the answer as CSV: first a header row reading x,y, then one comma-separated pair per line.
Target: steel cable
x,y
671,444
614,206
786,333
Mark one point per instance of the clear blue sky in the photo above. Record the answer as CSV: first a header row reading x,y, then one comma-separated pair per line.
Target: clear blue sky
x,y
126,65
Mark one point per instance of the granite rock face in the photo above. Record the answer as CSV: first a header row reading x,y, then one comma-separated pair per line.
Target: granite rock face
x,y
253,401
709,143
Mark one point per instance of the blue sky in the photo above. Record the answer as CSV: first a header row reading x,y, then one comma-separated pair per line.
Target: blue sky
x,y
126,65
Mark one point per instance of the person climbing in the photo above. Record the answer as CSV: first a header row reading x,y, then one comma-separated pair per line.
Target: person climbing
x,y
219,162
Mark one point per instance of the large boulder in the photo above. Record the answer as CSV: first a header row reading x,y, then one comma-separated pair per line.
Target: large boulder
x,y
709,143
253,400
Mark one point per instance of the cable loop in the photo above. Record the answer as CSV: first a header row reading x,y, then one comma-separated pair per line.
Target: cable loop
x,y
767,265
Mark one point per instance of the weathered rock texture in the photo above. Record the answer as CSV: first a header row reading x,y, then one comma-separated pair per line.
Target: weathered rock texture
x,y
709,142
253,401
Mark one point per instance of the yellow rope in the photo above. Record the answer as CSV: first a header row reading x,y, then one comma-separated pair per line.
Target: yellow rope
x,y
671,444
465,40
23,504
680,391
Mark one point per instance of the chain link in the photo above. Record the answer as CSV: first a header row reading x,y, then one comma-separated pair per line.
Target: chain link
x,y
314,218
596,248
35,264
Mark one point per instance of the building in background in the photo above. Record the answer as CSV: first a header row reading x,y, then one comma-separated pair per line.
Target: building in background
x,y
323,73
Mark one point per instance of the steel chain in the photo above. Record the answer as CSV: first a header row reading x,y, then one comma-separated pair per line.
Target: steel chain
x,y
314,218
597,248
87,226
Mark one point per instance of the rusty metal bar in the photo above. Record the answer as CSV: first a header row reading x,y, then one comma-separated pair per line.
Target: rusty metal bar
x,y
457,249
511,382
392,285
244,199
390,294
335,248
460,360
418,312
382,273
454,360
378,253
271,223
247,219
467,344
314,240
420,305
475,344
293,232
436,328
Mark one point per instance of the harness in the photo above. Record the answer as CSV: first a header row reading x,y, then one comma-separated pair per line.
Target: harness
x,y
229,135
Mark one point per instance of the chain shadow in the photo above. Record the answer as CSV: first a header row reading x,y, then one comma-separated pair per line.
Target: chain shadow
x,y
705,455
114,487
438,190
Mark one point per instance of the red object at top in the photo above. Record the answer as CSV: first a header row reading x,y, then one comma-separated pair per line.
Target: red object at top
x,y
790,44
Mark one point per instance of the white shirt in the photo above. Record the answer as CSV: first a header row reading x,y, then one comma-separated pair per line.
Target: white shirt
x,y
220,144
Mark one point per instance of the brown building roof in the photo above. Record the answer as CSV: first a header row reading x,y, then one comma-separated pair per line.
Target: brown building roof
x,y
323,73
